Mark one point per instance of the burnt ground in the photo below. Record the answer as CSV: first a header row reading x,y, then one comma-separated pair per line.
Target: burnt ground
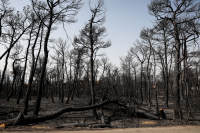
x,y
119,119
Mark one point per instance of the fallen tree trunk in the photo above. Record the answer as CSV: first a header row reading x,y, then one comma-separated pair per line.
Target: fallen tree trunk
x,y
77,124
36,119
21,120
99,125
143,114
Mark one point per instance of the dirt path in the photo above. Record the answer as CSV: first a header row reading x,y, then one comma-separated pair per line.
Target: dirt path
x,y
177,129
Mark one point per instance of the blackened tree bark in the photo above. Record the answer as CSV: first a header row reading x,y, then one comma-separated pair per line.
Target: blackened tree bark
x,y
90,38
69,77
126,66
166,72
6,60
32,71
164,10
38,99
15,74
25,65
61,49
135,52
5,12
163,30
79,52
56,11
134,65
16,27
146,35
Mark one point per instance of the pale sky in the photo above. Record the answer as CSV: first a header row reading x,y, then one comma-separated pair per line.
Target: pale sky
x,y
124,21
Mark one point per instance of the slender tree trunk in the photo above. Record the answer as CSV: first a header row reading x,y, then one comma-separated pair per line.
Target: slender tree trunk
x,y
176,89
148,77
38,99
6,60
70,82
186,80
166,76
11,92
51,87
76,75
141,93
24,71
154,80
156,96
62,86
92,70
4,70
197,79
92,83
135,85
32,71
129,78
14,78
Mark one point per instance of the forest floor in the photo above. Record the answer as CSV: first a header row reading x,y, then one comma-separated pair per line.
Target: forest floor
x,y
119,120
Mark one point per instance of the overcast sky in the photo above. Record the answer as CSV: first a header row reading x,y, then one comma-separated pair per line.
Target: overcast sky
x,y
124,21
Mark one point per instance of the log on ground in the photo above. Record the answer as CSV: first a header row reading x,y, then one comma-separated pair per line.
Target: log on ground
x,y
21,120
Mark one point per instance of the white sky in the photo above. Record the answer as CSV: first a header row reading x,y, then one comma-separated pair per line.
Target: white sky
x,y
124,21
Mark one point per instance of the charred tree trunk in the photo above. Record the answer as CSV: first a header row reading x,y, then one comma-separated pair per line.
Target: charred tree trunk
x,y
11,91
62,86
77,72
70,84
6,60
38,99
166,76
92,83
14,78
24,71
91,66
32,71
148,78
141,93
4,70
51,87
185,78
136,81
176,89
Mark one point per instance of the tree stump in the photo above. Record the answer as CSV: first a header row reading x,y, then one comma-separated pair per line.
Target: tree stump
x,y
162,114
